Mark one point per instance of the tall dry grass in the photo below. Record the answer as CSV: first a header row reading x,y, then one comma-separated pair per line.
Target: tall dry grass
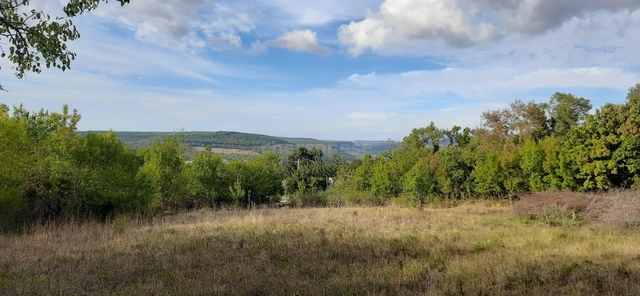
x,y
475,248
606,209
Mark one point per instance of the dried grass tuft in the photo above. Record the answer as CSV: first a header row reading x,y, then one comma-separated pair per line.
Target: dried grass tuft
x,y
615,208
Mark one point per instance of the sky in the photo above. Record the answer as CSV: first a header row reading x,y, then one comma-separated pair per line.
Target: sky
x,y
339,70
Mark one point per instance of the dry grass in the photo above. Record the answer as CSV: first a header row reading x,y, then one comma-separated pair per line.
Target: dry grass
x,y
612,209
479,248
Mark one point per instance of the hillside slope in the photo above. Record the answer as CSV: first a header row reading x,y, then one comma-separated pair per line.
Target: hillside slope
x,y
254,142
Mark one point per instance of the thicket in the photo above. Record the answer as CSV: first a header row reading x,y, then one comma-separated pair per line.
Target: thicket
x,y
528,147
49,172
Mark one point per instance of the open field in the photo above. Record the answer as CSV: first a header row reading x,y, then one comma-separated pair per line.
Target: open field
x,y
476,248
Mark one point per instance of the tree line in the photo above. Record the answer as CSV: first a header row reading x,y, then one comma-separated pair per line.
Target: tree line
x,y
48,172
556,145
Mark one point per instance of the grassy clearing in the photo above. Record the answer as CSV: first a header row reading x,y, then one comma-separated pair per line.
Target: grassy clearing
x,y
475,248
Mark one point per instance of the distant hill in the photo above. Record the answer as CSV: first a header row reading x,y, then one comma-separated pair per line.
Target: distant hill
x,y
238,142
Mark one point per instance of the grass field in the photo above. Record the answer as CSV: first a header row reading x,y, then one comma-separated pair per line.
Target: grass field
x,y
473,249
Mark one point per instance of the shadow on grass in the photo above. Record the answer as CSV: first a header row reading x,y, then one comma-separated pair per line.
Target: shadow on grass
x,y
290,259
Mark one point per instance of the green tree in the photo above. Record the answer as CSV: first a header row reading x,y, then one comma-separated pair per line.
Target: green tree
x,y
531,163
454,172
515,180
420,182
385,179
604,151
551,148
107,173
306,171
163,169
459,139
363,173
567,111
45,125
628,154
591,146
487,175
262,177
420,138
267,177
14,162
53,181
208,179
34,39
237,192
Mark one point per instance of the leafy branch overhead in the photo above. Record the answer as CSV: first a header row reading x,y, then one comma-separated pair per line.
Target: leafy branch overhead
x,y
31,39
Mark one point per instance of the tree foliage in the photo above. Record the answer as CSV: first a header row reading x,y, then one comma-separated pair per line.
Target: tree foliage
x,y
49,172
306,171
567,111
525,147
32,39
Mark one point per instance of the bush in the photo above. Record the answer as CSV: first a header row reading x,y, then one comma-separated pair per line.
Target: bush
x,y
313,199
338,197
614,208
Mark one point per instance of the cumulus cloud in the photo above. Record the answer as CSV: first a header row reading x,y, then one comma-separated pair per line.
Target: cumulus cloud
x,y
219,25
162,22
464,23
183,24
296,40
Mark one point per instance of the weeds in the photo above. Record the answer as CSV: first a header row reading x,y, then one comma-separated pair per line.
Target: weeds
x,y
613,209
474,248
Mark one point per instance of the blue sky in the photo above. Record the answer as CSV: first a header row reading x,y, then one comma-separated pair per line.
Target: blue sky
x,y
343,70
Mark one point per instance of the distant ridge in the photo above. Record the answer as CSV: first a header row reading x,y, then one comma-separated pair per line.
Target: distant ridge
x,y
349,150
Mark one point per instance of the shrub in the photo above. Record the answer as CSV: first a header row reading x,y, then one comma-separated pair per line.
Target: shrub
x,y
614,208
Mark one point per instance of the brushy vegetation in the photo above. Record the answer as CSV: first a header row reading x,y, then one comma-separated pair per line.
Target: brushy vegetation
x,y
49,173
477,248
611,209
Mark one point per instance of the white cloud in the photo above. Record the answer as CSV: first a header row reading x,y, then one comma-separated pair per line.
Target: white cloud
x,y
296,40
186,25
122,83
258,47
193,25
164,22
102,52
226,41
463,23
